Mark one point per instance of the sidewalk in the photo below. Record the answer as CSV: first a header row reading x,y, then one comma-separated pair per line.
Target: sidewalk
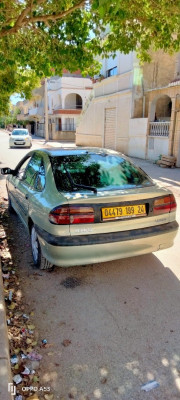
x,y
52,143
5,371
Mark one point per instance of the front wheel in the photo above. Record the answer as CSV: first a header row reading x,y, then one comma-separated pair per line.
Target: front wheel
x,y
38,259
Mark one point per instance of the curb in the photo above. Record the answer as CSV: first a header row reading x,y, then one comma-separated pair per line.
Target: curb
x,y
5,369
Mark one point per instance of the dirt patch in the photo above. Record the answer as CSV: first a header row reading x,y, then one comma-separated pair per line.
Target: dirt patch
x,y
71,282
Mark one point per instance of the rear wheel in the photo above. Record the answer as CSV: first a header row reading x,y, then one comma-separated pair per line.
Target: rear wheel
x,y
39,260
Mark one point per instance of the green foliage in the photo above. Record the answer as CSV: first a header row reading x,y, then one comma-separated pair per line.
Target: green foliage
x,y
39,36
10,117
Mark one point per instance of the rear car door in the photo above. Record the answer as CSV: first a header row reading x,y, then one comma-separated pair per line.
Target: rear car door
x,y
29,184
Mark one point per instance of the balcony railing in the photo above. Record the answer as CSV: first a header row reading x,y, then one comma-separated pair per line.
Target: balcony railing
x,y
69,107
36,111
159,129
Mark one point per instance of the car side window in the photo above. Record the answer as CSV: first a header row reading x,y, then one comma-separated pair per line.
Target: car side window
x,y
39,183
35,173
21,171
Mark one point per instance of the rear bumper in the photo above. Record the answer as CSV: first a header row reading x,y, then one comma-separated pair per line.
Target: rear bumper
x,y
68,251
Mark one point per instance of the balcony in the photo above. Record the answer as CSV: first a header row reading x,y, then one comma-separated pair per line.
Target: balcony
x,y
36,112
159,129
113,84
73,109
22,117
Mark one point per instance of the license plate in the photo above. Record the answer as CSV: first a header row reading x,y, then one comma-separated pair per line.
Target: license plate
x,y
19,143
137,210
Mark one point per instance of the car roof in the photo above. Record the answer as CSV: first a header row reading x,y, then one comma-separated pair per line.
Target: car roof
x,y
77,151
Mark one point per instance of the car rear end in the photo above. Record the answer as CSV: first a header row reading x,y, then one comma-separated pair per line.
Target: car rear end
x,y
105,222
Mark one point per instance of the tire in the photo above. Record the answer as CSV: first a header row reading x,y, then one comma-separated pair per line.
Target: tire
x,y
10,207
39,260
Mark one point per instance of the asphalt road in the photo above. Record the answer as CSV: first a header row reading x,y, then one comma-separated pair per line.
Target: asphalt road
x,y
121,322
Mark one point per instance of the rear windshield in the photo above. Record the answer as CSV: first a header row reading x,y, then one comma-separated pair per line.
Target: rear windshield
x,y
101,171
18,132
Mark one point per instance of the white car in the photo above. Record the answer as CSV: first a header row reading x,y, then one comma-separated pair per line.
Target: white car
x,y
20,138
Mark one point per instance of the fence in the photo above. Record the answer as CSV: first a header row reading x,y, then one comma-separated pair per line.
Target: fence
x,y
66,127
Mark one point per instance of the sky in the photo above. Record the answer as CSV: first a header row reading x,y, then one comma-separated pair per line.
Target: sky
x,y
15,98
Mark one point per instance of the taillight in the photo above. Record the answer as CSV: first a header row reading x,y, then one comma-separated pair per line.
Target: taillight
x,y
165,204
66,215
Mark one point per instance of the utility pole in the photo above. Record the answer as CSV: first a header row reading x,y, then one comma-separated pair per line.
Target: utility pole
x,y
46,111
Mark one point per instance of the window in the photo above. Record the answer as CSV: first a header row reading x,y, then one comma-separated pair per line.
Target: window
x,y
111,72
69,124
102,171
20,132
35,173
21,170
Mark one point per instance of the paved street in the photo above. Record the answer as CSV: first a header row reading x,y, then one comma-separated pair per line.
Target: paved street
x,y
122,320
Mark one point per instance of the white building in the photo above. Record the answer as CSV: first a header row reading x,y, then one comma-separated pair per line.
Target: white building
x,y
67,96
106,121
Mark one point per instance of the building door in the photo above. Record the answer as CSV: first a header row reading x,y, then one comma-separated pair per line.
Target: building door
x,y
60,125
110,128
32,127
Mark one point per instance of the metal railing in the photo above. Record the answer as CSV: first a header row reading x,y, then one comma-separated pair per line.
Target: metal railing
x,y
159,129
66,128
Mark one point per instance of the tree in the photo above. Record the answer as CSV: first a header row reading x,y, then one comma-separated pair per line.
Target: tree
x,y
10,118
42,37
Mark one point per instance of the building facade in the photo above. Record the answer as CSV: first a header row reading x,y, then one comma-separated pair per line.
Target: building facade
x,y
135,109
66,97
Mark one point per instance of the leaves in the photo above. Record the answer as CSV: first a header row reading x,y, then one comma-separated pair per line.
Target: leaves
x,y
34,39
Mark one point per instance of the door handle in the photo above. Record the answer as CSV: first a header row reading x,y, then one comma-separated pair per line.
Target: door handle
x,y
26,197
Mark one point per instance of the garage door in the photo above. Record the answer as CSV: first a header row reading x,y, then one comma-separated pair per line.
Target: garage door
x,y
110,128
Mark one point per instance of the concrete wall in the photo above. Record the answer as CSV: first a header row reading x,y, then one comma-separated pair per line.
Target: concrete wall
x,y
90,131
156,147
137,137
160,71
63,136
113,84
176,150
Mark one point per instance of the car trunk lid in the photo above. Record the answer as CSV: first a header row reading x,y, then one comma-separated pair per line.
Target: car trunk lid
x,y
119,210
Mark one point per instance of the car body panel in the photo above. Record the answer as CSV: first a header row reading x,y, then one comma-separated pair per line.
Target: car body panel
x,y
66,256
90,242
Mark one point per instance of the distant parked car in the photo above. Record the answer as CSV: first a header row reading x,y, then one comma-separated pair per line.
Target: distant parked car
x,y
89,205
20,138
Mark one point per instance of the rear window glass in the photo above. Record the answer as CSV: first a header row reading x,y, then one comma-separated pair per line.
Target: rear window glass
x,y
101,171
17,132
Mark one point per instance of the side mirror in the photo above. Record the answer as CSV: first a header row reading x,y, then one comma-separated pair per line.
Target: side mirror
x,y
7,171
